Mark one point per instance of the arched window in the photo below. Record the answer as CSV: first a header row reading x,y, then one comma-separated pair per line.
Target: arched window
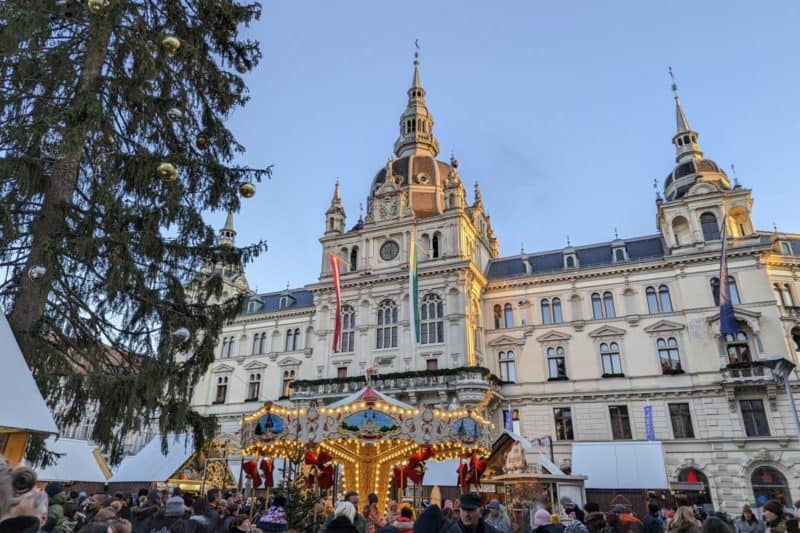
x,y
498,316
597,306
664,299
556,364
262,346
253,387
708,222
289,340
681,231
619,255
737,348
508,369
608,305
354,259
231,346
348,340
787,295
546,317
776,288
386,335
557,316
286,383
786,249
609,356
769,484
432,319
701,495
508,316
296,346
435,245
570,261
222,389
224,351
652,300
669,355
255,344
733,290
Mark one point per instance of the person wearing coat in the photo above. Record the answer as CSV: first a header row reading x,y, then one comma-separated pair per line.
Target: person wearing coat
x,y
748,523
343,519
773,517
432,520
651,524
684,521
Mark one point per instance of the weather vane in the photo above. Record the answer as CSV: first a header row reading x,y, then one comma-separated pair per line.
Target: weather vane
x,y
416,45
674,84
616,233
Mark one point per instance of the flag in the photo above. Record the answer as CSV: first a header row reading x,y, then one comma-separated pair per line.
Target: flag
x,y
413,290
337,289
727,320
649,427
509,416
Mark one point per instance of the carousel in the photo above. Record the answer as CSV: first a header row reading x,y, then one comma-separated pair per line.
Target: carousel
x,y
366,442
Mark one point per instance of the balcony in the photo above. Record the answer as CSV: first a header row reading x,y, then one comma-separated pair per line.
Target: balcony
x,y
462,381
791,312
749,373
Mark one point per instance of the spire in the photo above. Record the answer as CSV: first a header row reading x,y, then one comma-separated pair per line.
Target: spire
x,y
227,235
334,216
416,122
478,197
685,139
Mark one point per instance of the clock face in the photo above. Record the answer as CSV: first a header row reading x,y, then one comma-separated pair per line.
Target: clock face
x,y
389,250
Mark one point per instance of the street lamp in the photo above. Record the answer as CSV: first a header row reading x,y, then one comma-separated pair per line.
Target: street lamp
x,y
782,368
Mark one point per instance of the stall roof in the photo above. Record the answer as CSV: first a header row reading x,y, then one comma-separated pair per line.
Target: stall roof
x,y
151,465
23,405
80,461
620,465
366,391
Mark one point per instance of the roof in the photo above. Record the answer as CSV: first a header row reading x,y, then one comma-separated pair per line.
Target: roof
x,y
593,255
366,391
80,461
620,465
23,405
151,465
270,302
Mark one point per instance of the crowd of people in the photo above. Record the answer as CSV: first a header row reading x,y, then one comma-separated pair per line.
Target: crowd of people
x,y
26,508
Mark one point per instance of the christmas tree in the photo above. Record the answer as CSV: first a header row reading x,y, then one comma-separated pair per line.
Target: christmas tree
x,y
113,145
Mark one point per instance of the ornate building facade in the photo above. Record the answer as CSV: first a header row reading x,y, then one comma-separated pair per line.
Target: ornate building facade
x,y
575,343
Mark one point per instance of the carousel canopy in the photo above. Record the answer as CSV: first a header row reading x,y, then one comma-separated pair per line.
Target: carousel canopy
x,y
80,461
367,392
620,465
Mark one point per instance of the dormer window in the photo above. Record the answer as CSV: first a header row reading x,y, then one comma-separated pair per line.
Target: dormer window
x,y
620,253
253,306
786,248
570,261
284,302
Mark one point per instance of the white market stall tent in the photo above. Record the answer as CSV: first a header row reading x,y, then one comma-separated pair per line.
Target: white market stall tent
x,y
80,461
621,465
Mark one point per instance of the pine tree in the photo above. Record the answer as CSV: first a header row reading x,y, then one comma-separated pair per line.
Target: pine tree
x,y
112,146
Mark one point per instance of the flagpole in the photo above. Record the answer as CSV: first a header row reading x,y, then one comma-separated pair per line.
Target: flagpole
x,y
413,290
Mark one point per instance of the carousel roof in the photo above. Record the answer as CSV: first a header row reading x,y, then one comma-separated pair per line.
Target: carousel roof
x,y
370,393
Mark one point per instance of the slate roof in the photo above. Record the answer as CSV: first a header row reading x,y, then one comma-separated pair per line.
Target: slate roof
x,y
593,255
270,301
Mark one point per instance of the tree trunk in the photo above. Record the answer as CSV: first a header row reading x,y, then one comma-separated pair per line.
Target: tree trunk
x,y
49,227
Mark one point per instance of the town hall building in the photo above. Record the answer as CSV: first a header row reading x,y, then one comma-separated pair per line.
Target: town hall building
x,y
573,343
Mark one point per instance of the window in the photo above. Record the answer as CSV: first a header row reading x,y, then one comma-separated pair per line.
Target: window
x,y
435,246
514,420
347,342
341,372
664,300
769,484
787,295
652,300
431,365
603,307
262,343
732,290
224,352
387,325
253,387
609,355
608,305
283,303
786,249
620,423
557,316
222,389
432,320
710,227
498,316
289,340
252,306
354,259
681,419
658,302
508,316
255,344
508,369
547,318
597,306
296,343
755,418
779,295
563,418
668,355
551,313
737,348
286,385
619,255
569,261
556,365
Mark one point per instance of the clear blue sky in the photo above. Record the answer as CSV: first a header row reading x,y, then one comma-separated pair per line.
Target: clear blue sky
x,y
561,110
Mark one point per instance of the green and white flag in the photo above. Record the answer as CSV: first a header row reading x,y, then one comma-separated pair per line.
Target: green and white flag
x,y
413,290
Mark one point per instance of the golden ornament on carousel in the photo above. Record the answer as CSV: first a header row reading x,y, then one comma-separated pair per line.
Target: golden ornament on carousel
x,y
171,44
247,189
167,172
96,6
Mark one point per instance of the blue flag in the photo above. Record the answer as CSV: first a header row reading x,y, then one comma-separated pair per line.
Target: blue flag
x,y
649,427
509,421
727,320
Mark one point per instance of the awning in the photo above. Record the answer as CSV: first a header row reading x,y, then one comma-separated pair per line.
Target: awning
x,y
441,473
150,465
23,405
80,461
620,465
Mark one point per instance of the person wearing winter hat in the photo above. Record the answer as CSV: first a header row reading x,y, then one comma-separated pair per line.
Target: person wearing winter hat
x,y
469,515
432,520
275,517
773,517
174,511
497,517
570,508
541,519
55,512
405,522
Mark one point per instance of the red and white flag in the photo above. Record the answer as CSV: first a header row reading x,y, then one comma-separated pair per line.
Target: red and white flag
x,y
337,289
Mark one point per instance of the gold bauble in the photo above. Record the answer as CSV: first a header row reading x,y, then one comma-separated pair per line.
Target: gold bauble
x,y
167,172
201,142
171,44
247,189
96,6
